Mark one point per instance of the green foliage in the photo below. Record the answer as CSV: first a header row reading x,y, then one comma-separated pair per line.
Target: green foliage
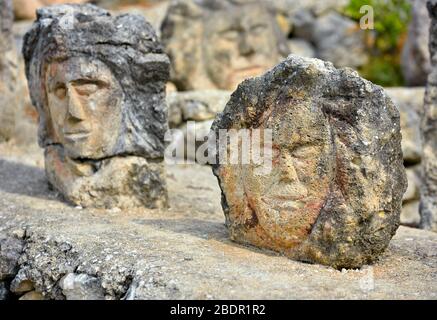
x,y
391,19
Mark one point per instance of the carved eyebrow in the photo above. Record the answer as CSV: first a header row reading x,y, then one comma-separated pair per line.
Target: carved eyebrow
x,y
83,81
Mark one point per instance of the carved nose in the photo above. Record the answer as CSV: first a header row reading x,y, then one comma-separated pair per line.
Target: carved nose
x,y
245,46
288,171
75,109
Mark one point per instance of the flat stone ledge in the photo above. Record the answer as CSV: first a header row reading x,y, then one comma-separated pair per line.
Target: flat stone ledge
x,y
180,253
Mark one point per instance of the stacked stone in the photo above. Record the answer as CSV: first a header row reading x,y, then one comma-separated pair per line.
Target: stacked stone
x,y
409,102
428,205
192,114
415,60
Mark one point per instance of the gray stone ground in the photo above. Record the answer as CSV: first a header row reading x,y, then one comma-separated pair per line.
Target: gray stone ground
x,y
183,252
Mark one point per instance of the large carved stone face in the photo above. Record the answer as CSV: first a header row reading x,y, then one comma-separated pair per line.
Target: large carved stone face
x,y
84,106
238,44
286,202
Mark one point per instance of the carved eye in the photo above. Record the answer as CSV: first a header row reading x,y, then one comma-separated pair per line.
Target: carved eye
x,y
230,35
86,89
258,28
60,92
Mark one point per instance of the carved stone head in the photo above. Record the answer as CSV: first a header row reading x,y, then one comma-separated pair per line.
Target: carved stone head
x,y
218,44
98,83
333,194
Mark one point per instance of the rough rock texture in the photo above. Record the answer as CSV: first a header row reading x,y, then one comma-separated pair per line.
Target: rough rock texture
x,y
182,253
8,71
18,118
298,15
428,205
415,61
81,287
217,44
334,193
98,83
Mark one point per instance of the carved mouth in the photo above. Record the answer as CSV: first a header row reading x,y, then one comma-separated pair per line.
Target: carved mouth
x,y
285,202
74,136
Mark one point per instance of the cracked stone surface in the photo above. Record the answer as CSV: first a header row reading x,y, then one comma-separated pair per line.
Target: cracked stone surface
x,y
181,252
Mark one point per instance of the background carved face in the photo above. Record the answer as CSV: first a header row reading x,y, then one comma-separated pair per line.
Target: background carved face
x,y
84,105
286,202
239,44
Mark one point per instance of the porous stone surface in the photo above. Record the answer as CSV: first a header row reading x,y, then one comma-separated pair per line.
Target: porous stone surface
x,y
217,44
8,72
98,84
415,61
180,253
81,287
333,195
428,205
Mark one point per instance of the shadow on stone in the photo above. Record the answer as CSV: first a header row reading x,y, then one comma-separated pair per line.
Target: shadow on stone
x,y
23,179
203,229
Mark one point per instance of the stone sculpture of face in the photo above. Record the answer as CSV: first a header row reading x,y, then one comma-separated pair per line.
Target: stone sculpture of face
x,y
84,105
286,202
239,44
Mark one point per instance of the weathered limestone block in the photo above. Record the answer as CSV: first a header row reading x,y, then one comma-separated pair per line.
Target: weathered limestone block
x,y
301,48
415,60
81,287
98,84
410,214
428,204
334,193
289,13
410,202
409,102
217,44
414,181
340,40
10,251
26,9
195,105
32,295
8,71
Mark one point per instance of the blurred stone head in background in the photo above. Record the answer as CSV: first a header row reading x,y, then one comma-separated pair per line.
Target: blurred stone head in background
x,y
218,44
